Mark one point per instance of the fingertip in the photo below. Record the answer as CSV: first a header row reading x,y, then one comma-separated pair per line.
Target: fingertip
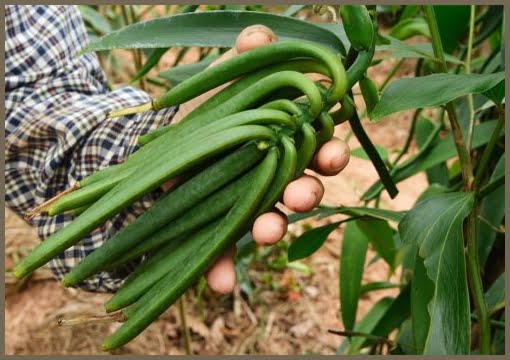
x,y
269,228
253,37
332,157
221,277
303,194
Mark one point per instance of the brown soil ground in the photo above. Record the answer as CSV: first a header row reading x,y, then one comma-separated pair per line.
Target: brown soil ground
x,y
290,313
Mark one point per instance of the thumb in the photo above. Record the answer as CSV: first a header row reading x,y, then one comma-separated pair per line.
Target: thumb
x,y
252,37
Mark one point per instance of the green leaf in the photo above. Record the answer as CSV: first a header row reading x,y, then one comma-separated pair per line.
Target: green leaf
x,y
410,27
422,291
431,90
394,316
495,296
210,29
440,153
377,285
498,340
375,213
352,263
431,191
360,153
497,93
452,21
424,128
380,236
436,226
310,241
399,49
339,31
182,72
366,325
493,210
405,338
95,20
410,11
293,9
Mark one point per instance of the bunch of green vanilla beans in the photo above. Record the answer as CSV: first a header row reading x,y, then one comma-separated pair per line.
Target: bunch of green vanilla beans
x,y
235,153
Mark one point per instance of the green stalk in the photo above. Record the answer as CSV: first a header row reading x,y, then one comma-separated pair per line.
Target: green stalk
x,y
184,326
391,74
465,160
473,265
468,71
484,160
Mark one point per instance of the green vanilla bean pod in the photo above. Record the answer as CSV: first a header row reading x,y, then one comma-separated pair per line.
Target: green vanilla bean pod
x,y
369,92
360,65
77,211
327,128
245,63
358,26
284,175
156,267
299,65
306,149
144,277
215,205
94,191
238,102
169,207
345,112
168,289
150,175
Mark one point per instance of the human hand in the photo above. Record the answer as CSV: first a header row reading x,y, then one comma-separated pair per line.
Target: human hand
x,y
301,195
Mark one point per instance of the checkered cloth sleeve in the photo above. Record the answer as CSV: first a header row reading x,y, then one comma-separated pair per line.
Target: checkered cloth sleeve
x,y
56,132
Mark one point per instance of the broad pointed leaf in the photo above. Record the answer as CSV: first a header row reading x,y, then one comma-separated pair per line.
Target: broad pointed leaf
x,y
493,211
452,21
360,153
397,312
383,214
399,49
430,91
352,263
495,296
310,241
380,236
366,325
424,128
210,29
293,9
422,291
182,72
436,225
377,285
437,155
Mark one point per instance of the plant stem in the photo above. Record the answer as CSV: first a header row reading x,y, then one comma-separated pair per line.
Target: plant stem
x,y
409,137
391,74
184,326
490,187
465,160
468,71
470,228
475,280
484,160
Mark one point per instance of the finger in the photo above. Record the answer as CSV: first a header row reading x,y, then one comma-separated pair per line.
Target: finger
x,y
251,37
269,228
303,194
169,184
221,277
254,36
331,158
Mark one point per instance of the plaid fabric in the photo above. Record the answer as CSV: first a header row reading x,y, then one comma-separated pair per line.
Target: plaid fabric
x,y
56,132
